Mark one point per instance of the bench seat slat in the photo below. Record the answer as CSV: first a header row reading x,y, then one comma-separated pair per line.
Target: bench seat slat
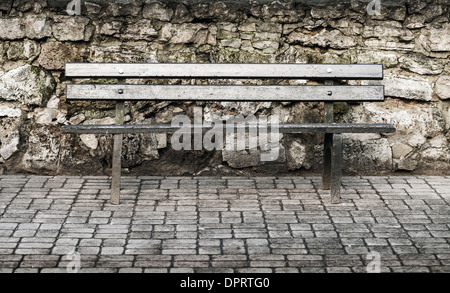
x,y
224,92
221,70
282,128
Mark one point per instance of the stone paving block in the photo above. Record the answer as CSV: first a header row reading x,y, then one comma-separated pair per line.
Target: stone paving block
x,y
89,250
404,249
156,271
326,234
338,270
324,251
254,270
115,261
33,250
343,260
306,258
39,261
10,260
112,250
356,250
8,226
152,261
192,261
233,246
179,251
410,269
312,270
229,261
258,249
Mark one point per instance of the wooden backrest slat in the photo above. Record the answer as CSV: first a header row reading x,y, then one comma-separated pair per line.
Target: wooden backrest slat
x,y
221,70
224,93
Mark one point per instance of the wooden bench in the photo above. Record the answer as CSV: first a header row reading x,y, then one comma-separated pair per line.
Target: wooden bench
x,y
327,93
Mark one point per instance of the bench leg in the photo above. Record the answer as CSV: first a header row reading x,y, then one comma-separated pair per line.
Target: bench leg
x,y
336,168
326,175
116,169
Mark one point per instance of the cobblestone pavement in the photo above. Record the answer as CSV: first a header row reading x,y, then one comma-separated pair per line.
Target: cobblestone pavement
x,y
224,225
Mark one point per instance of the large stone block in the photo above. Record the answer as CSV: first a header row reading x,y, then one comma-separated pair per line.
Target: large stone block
x,y
372,156
436,39
421,64
37,27
442,87
284,12
295,155
435,159
11,29
328,11
388,30
199,34
27,84
409,119
121,53
123,8
43,150
55,55
400,150
182,14
157,11
389,44
50,114
405,87
9,136
367,57
254,157
26,5
71,28
112,28
216,10
26,50
10,110
141,30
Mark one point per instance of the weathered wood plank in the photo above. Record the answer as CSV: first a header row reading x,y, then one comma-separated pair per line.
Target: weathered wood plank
x,y
116,171
327,144
282,128
336,168
224,93
329,107
220,70
327,157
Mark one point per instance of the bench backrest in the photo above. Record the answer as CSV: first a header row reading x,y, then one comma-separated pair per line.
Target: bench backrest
x,y
127,92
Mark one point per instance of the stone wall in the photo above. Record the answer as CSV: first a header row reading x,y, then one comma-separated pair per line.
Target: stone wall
x,y
411,38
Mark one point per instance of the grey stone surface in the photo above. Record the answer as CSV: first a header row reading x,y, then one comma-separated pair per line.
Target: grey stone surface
x,y
288,227
27,84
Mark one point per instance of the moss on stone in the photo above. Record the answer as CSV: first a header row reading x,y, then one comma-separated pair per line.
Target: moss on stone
x,y
45,91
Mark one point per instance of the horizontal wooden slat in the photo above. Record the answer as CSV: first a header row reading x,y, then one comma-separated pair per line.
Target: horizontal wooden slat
x,y
220,70
282,128
224,93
